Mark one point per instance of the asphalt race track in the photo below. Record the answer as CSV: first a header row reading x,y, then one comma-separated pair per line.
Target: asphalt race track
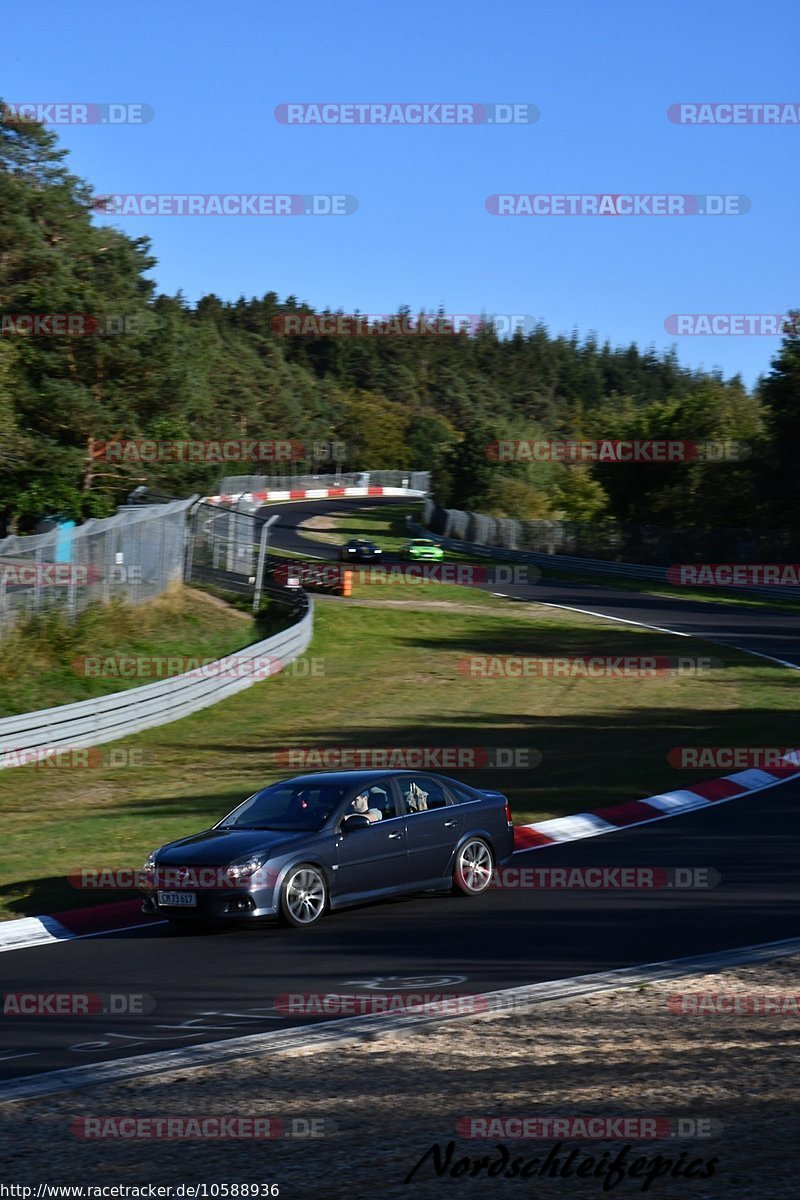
x,y
226,983
774,634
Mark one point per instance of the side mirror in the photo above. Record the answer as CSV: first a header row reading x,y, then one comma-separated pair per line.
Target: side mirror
x,y
355,821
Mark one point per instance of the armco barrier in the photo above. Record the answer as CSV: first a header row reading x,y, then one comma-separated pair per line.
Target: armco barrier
x,y
274,496
90,722
591,566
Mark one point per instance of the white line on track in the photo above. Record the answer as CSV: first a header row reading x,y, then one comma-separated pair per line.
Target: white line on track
x,y
327,1033
607,617
707,637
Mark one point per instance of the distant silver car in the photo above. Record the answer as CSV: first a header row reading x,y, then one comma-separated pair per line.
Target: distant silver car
x,y
319,842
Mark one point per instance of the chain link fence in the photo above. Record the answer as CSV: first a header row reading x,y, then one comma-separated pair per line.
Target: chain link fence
x,y
132,556
227,549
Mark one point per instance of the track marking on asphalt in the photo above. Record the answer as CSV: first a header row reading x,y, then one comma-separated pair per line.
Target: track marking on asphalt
x,y
606,617
328,1033
707,637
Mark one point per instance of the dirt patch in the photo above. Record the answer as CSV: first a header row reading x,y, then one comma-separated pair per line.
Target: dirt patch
x,y
323,528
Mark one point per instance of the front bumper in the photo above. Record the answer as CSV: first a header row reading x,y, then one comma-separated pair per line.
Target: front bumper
x,y
227,905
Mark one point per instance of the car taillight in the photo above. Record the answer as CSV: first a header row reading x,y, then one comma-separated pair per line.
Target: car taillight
x,y
508,813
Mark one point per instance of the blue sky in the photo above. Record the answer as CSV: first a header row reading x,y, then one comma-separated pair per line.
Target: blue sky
x,y
602,75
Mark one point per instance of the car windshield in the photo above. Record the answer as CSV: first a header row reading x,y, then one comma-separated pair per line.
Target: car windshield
x,y
289,807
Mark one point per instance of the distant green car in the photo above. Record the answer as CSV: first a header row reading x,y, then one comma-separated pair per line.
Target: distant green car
x,y
419,549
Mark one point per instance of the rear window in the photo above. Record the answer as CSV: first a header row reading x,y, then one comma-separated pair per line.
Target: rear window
x,y
460,792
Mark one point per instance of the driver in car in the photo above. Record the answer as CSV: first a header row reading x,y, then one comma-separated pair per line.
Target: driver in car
x,y
361,806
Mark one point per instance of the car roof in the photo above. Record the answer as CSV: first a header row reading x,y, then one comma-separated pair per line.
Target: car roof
x,y
348,778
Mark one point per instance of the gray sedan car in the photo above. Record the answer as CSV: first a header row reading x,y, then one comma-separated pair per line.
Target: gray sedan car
x,y
319,842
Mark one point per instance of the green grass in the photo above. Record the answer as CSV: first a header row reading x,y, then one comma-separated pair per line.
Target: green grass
x,y
43,660
383,524
391,677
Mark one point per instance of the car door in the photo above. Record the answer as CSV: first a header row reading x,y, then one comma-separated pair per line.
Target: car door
x,y
373,859
433,826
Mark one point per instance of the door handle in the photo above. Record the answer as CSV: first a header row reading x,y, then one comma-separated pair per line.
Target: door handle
x,y
450,824
392,836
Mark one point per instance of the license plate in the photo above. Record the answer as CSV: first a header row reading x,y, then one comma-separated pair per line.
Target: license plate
x,y
183,899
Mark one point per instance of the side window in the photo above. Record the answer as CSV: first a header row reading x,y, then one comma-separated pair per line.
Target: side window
x,y
375,801
380,797
421,794
460,792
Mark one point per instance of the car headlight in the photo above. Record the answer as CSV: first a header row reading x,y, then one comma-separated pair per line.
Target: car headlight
x,y
150,861
236,872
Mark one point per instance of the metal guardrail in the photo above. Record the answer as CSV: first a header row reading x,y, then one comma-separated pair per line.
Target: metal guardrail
x,y
591,566
414,480
91,722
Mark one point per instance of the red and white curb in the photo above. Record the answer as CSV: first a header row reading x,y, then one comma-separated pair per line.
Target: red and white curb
x,y
126,914
329,493
76,923
654,808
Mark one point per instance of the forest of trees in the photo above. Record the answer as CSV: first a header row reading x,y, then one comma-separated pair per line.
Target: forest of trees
x,y
223,370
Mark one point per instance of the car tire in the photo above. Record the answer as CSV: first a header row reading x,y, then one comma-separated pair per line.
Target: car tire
x,y
472,874
304,896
